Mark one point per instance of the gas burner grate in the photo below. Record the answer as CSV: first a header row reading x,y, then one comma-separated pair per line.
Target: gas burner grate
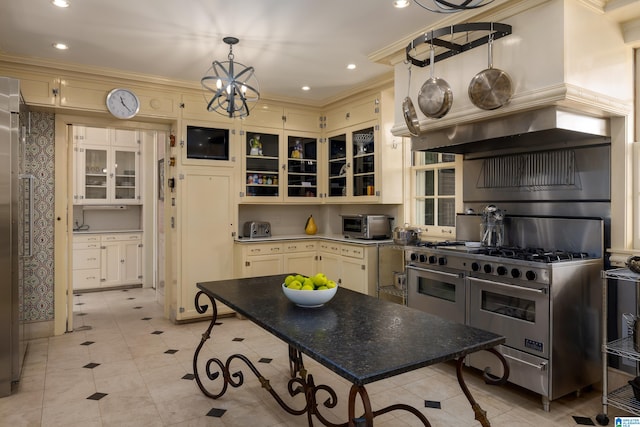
x,y
534,254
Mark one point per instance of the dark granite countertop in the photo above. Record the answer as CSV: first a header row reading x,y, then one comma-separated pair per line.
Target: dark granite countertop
x,y
359,337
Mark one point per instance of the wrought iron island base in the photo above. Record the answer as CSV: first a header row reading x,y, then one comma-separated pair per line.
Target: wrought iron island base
x,y
302,383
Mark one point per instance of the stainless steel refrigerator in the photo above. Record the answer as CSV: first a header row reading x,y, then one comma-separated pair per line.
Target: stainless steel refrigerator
x,y
15,230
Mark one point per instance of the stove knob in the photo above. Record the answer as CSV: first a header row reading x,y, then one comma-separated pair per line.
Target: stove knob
x,y
475,266
414,257
515,273
422,258
433,259
502,270
487,268
442,261
530,275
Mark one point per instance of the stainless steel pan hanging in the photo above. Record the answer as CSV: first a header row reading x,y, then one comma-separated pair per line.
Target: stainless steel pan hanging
x,y
435,97
490,88
409,111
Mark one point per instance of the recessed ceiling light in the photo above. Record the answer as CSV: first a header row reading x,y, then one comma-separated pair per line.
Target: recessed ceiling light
x,y
401,3
305,88
60,46
60,3
351,67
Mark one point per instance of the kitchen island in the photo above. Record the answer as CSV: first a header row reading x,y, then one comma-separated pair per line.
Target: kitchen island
x,y
358,337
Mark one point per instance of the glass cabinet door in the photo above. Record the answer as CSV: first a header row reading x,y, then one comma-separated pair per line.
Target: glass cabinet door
x,y
363,162
125,169
302,167
338,165
96,175
262,171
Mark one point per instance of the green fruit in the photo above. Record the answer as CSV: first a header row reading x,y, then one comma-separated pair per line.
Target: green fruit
x,y
320,279
307,288
295,285
289,279
331,284
322,288
300,278
308,282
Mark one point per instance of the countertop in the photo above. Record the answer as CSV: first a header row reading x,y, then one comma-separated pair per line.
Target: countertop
x,y
334,237
105,231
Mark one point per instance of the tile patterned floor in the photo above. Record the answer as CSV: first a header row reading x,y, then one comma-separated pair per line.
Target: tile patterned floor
x,y
125,365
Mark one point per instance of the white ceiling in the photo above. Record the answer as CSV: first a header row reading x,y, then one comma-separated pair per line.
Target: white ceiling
x,y
290,43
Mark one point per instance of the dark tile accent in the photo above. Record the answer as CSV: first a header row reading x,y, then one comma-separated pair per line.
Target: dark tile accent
x,y
137,308
156,332
171,351
125,290
79,303
130,298
265,360
189,377
146,318
81,314
218,323
583,421
87,343
432,404
91,365
216,412
97,396
238,339
83,328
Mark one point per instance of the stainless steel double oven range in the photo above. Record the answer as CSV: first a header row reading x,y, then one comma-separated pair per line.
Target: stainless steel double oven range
x,y
543,297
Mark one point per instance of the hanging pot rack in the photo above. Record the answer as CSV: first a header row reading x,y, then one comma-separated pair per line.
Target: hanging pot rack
x,y
495,30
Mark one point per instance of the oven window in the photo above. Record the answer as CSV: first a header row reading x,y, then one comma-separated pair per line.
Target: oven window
x,y
437,289
517,308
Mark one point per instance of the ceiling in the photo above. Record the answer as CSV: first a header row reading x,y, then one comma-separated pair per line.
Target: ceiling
x,y
290,43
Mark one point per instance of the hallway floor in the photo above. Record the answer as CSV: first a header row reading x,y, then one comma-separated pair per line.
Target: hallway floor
x,y
125,365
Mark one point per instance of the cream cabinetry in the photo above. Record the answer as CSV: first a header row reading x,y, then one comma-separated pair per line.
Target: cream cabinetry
x,y
106,166
259,259
351,265
301,257
121,259
352,113
107,260
206,222
279,166
363,160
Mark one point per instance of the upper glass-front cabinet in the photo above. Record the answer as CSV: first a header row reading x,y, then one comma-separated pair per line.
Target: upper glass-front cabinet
x,y
107,175
262,164
302,167
352,163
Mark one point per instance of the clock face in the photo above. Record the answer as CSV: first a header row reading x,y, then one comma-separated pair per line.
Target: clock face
x,y
123,103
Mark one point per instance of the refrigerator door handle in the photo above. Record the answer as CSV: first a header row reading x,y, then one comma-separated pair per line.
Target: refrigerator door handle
x,y
28,221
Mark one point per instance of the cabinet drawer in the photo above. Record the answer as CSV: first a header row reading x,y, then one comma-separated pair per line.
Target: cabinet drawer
x,y
352,251
330,247
120,237
86,258
269,249
86,278
86,239
301,246
80,246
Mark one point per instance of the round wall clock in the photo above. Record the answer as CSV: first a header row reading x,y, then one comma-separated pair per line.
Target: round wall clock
x,y
123,103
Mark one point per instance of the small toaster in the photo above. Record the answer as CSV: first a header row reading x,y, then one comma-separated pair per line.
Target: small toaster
x,y
255,229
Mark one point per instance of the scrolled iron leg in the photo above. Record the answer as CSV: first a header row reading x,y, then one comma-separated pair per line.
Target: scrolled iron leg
x,y
481,414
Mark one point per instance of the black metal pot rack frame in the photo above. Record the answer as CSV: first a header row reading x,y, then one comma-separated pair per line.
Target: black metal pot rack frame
x,y
496,31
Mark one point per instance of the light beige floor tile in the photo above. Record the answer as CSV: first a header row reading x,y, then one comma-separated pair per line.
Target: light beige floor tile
x,y
79,412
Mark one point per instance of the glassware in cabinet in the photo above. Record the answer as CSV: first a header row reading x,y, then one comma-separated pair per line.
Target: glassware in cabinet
x,y
338,165
363,141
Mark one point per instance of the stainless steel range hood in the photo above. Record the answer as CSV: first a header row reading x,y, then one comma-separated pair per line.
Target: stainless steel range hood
x,y
530,129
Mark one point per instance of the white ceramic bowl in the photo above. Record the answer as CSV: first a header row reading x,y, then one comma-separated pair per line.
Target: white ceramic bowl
x,y
315,298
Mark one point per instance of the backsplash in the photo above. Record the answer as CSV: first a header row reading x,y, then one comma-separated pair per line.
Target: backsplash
x,y
38,273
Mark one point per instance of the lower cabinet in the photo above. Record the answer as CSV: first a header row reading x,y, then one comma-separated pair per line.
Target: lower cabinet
x,y
352,266
107,260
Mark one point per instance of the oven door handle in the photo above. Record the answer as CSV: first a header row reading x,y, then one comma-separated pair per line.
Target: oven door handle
x,y
542,366
513,287
444,273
